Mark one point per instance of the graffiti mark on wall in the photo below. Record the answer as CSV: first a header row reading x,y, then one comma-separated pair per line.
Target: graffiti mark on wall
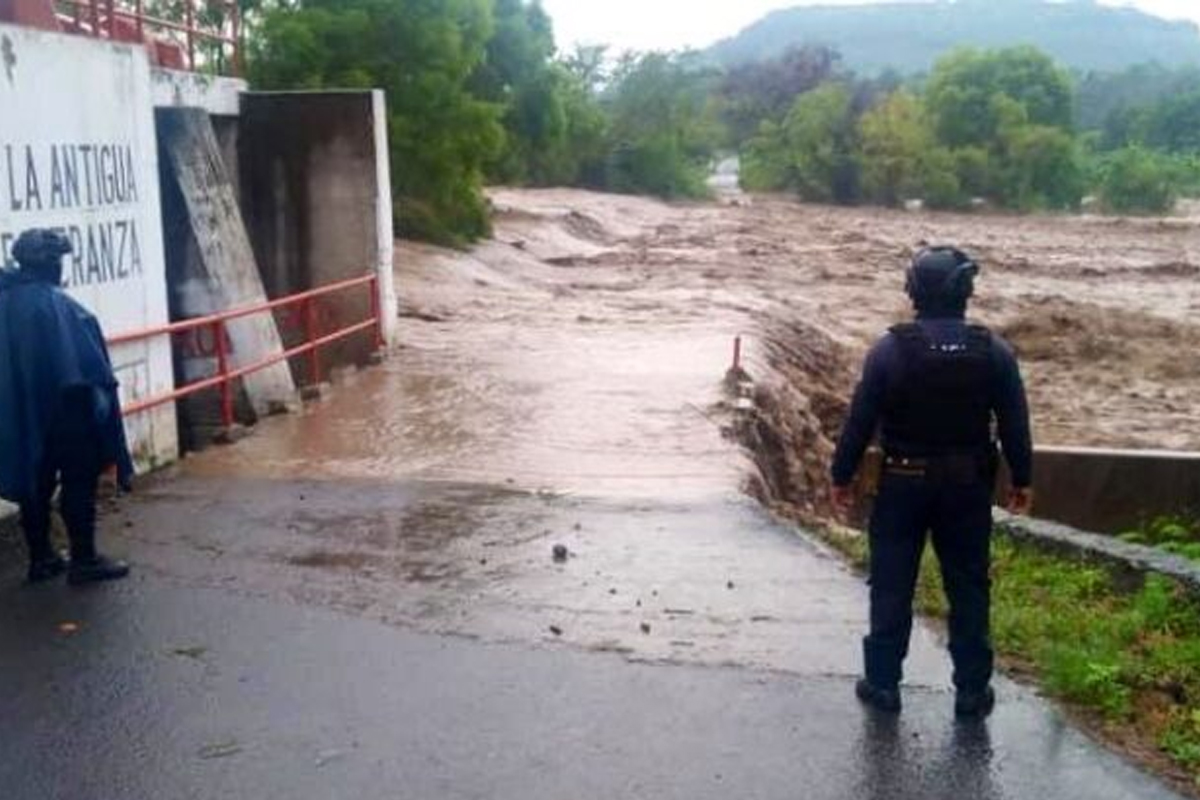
x,y
8,56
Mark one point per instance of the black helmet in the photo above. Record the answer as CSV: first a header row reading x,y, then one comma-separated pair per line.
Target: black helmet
x,y
941,276
41,248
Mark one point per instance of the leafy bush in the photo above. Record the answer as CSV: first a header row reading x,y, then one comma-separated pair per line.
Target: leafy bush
x,y
1134,180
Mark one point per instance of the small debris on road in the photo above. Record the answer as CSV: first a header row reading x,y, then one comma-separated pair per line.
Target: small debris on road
x,y
326,756
645,627
216,750
195,652
557,631
729,585
560,553
68,628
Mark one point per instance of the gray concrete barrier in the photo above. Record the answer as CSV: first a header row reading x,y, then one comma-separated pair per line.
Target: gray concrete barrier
x,y
1134,559
1111,491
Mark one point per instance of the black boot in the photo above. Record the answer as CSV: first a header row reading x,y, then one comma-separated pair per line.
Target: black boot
x,y
974,704
886,700
96,569
46,568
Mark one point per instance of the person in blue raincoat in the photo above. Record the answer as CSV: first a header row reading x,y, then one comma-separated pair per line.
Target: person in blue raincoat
x,y
60,419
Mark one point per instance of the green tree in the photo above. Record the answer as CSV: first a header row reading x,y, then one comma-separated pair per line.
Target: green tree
x,y
423,54
1173,124
964,86
895,139
812,152
662,126
1006,115
519,75
1041,169
756,91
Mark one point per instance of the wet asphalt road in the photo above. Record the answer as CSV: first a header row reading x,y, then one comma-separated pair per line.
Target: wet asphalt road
x,y
166,691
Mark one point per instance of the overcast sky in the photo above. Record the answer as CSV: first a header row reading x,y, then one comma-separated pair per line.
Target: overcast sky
x,y
672,24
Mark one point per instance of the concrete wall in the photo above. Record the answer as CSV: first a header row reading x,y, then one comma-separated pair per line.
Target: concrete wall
x,y
1111,491
212,266
316,190
217,95
77,152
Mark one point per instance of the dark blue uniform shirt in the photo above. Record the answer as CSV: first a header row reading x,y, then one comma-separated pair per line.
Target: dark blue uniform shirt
x,y
883,362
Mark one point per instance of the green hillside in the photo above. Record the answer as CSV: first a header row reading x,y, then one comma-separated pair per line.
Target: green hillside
x,y
909,36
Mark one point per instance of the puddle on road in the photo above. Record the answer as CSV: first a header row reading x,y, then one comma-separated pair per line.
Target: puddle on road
x,y
588,411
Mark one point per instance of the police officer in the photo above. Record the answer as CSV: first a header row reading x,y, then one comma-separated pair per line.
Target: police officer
x,y
938,390
60,420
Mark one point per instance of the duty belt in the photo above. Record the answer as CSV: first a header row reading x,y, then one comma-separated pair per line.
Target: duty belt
x,y
954,468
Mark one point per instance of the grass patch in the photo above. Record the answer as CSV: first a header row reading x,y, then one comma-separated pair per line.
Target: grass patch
x,y
1131,659
1177,535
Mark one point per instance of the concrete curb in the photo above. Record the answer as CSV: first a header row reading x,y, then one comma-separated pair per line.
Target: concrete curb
x,y
1136,558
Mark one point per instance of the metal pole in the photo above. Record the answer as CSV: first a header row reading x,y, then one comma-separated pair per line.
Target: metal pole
x,y
218,331
140,10
310,336
237,38
737,352
94,7
112,19
190,24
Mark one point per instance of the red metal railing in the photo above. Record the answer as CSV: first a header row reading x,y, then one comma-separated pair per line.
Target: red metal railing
x,y
127,21
302,306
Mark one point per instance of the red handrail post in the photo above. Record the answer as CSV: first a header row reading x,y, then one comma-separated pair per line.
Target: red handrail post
x,y
140,9
376,314
226,389
310,335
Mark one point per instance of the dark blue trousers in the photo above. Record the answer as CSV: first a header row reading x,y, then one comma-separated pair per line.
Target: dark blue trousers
x,y
73,461
958,518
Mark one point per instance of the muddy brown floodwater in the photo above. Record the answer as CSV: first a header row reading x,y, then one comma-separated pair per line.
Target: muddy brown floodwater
x,y
580,348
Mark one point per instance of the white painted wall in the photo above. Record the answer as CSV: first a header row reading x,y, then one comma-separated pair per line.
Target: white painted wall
x,y
78,152
216,95
385,236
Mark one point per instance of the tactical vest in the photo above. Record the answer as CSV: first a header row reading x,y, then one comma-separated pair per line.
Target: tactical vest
x,y
939,402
